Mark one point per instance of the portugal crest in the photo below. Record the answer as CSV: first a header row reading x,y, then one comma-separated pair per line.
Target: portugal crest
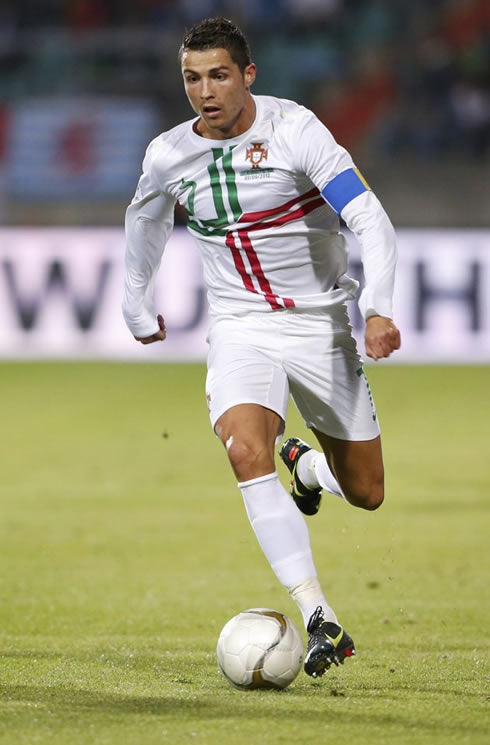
x,y
256,154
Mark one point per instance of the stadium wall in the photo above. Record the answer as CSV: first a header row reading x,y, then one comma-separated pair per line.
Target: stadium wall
x,y
60,294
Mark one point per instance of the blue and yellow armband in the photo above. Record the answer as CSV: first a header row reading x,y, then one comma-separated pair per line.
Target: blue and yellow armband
x,y
344,188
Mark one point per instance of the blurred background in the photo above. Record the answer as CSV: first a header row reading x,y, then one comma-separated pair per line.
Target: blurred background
x,y
84,86
123,547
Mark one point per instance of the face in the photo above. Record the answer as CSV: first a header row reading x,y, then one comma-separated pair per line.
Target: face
x,y
219,92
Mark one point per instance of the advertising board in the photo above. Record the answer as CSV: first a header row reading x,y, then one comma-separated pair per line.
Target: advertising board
x,y
60,296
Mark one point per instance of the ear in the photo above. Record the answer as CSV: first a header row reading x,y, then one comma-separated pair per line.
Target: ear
x,y
249,75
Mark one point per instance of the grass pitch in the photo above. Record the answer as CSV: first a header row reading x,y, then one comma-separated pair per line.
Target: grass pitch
x,y
125,548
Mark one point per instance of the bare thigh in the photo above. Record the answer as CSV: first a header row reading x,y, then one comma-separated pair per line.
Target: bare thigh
x,y
358,468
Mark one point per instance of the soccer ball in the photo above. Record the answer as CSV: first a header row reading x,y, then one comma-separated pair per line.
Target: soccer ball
x,y
260,648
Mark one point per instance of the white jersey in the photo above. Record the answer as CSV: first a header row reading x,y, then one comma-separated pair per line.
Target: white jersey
x,y
264,208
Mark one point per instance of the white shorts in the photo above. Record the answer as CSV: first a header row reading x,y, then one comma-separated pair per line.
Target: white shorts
x,y
261,358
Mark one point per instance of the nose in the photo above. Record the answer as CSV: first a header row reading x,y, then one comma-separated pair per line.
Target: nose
x,y
206,89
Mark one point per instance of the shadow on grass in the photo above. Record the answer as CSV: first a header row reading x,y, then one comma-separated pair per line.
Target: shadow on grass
x,y
207,707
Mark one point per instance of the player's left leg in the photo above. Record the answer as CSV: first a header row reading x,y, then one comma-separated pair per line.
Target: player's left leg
x,y
348,468
331,391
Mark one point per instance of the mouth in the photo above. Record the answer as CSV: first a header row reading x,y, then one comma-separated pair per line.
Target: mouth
x,y
211,111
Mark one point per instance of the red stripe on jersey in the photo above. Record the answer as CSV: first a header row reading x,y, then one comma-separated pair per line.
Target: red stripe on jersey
x,y
239,265
257,270
294,215
261,215
262,224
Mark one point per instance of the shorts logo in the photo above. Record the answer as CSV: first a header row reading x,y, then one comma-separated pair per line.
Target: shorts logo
x,y
256,154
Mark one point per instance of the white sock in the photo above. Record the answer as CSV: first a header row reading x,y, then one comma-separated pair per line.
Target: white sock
x,y
283,536
308,595
314,471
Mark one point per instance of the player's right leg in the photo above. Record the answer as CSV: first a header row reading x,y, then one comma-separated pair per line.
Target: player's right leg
x,y
249,432
328,644
247,392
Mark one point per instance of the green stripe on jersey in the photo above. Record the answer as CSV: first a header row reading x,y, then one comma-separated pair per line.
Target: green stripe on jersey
x,y
216,187
193,225
221,224
231,185
190,199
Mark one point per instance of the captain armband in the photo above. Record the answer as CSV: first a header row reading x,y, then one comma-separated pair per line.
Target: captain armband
x,y
344,188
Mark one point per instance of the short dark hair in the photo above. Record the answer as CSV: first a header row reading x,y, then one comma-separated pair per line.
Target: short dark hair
x,y
218,33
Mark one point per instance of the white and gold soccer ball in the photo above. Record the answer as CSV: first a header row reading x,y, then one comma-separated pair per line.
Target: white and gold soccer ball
x,y
260,648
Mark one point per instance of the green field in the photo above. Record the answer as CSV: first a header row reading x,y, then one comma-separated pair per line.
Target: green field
x,y
125,548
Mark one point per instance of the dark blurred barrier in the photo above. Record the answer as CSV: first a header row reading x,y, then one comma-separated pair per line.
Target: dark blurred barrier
x,y
60,294
72,149
404,86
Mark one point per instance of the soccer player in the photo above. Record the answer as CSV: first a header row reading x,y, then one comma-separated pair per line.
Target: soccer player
x,y
264,183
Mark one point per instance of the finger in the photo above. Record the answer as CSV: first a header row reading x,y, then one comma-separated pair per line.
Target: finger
x,y
378,348
391,341
371,351
159,336
389,346
393,335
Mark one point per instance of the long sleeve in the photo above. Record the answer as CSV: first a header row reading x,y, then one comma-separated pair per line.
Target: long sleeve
x,y
149,222
332,170
367,219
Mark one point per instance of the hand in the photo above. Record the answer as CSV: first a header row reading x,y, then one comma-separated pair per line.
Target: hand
x,y
381,337
158,336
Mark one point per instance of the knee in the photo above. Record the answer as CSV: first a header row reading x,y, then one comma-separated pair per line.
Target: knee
x,y
368,497
374,498
249,460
